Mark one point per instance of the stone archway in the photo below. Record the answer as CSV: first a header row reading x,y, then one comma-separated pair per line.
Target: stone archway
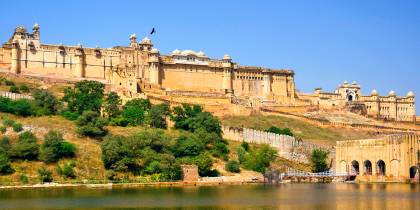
x,y
355,167
368,167
343,166
380,168
413,171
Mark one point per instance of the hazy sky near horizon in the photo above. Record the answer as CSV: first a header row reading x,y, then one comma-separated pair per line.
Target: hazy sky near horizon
x,y
376,43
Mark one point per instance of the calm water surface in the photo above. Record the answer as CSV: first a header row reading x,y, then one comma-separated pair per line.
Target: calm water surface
x,y
286,196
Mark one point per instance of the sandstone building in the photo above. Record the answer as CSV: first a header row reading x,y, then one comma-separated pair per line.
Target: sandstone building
x,y
140,67
390,107
139,70
395,157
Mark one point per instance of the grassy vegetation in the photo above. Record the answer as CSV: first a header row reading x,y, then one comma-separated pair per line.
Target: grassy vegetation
x,y
300,128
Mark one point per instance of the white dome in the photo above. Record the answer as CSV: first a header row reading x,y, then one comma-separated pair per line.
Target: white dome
x,y
154,50
345,82
227,57
146,40
391,93
410,94
374,92
354,83
201,54
188,52
133,36
176,52
36,26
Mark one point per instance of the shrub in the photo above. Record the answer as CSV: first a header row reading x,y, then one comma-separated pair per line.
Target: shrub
x,y
8,122
233,166
14,89
3,129
24,88
9,83
44,175
245,145
91,124
46,102
285,131
25,148
67,170
22,107
17,127
119,121
23,178
319,160
5,143
70,115
54,147
5,167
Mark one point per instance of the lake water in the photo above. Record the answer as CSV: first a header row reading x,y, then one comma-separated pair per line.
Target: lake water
x,y
285,196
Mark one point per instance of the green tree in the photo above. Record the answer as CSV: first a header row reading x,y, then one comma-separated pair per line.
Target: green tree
x,y
46,101
25,148
188,145
91,124
257,159
85,96
54,147
157,115
5,166
112,105
319,160
67,170
192,118
134,111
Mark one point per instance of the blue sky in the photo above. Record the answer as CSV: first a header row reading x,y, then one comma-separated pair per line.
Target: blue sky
x,y
376,43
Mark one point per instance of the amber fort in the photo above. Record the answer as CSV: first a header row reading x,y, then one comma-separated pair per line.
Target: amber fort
x,y
140,70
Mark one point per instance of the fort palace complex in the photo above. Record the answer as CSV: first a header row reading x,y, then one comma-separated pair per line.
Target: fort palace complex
x,y
139,70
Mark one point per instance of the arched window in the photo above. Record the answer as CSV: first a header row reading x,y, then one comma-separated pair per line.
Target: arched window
x,y
354,167
368,167
380,168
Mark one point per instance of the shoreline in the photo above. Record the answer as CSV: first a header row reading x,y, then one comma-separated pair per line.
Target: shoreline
x,y
130,185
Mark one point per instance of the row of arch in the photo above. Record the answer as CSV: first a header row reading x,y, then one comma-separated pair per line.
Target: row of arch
x,y
380,168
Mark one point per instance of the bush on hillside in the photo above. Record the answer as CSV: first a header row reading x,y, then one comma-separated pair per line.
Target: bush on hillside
x,y
9,82
25,148
91,124
233,166
17,127
256,159
14,89
46,102
44,175
5,166
67,170
276,130
54,147
24,88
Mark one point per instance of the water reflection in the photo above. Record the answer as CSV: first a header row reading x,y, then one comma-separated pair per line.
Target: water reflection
x,y
285,196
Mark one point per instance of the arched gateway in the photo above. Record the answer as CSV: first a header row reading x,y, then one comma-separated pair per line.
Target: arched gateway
x,y
396,157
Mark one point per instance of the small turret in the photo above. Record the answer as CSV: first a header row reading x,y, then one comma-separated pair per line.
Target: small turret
x,y
392,93
410,94
146,44
35,30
